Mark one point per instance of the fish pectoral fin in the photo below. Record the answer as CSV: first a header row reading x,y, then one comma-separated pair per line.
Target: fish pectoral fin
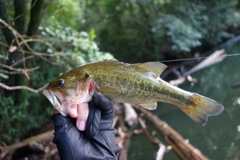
x,y
155,67
149,106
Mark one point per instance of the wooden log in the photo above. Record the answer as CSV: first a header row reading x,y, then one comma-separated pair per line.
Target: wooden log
x,y
7,149
214,58
235,85
162,148
181,146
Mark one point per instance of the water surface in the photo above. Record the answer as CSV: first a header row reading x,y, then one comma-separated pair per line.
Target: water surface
x,y
220,138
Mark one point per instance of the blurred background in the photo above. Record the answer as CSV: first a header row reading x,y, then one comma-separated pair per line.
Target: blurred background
x,y
41,39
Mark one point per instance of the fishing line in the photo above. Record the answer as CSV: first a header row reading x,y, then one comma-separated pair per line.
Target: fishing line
x,y
197,58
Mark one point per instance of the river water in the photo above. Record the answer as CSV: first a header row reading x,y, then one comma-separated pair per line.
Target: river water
x,y
220,138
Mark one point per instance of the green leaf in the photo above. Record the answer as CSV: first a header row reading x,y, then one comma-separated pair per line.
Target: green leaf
x,y
92,34
4,76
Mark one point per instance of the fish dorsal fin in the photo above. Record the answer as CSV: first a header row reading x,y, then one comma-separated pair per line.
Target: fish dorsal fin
x,y
155,67
149,106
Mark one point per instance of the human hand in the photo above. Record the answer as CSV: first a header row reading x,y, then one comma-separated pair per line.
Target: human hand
x,y
80,112
97,141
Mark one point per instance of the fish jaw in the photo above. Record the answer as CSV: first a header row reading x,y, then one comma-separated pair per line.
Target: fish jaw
x,y
56,102
63,101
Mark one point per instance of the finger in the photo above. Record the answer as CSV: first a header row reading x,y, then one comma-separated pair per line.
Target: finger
x,y
73,111
82,115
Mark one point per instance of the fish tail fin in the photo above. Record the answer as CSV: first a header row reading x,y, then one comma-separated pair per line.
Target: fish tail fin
x,y
201,108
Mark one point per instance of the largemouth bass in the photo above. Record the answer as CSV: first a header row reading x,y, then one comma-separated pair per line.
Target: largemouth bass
x,y
127,83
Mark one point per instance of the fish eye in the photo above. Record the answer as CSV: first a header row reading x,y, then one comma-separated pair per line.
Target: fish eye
x,y
60,83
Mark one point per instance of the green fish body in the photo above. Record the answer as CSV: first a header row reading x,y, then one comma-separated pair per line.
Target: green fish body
x,y
131,83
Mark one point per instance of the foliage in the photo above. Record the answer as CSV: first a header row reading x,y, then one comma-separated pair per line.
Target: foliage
x,y
77,47
71,31
67,12
183,36
56,49
17,119
150,29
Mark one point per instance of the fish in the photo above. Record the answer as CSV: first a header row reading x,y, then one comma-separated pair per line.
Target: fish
x,y
138,83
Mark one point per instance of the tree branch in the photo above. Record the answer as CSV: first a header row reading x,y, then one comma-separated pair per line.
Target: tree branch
x,y
22,87
5,150
22,60
184,149
162,148
18,69
9,72
23,41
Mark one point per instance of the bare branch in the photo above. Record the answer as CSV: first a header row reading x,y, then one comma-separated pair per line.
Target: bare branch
x,y
17,35
40,41
19,69
4,44
9,72
22,87
184,149
162,148
43,136
21,44
19,40
26,58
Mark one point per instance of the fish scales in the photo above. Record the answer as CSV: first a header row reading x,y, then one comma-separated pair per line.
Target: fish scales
x,y
139,86
128,83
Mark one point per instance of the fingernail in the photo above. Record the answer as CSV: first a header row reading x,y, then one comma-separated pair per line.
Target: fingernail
x,y
81,125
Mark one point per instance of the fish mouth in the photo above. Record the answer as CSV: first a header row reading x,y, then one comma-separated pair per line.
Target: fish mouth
x,y
55,102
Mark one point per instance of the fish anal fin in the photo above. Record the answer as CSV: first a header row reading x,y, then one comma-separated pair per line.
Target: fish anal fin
x,y
201,109
155,67
149,106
